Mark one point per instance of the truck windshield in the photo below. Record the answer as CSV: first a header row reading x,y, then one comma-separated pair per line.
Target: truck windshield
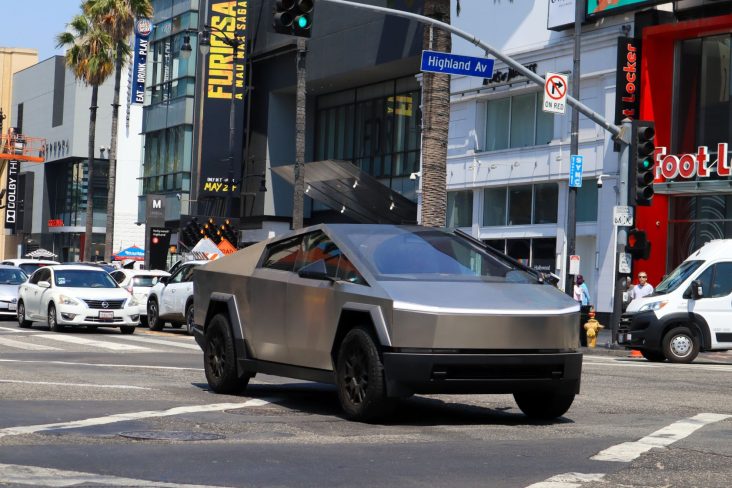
x,y
677,276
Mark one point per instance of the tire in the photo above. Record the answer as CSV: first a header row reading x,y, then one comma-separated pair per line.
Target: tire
x,y
143,320
219,358
189,319
22,322
680,345
360,378
544,405
176,325
653,356
153,317
53,324
127,329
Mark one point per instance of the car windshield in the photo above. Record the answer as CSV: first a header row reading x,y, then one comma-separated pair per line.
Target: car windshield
x,y
29,268
145,281
82,278
12,276
677,276
395,253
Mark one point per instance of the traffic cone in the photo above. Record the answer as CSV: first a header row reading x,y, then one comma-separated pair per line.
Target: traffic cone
x,y
635,353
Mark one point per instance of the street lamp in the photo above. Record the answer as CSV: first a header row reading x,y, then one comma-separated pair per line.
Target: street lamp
x,y
204,45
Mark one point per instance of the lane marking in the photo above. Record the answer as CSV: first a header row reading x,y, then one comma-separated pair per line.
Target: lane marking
x,y
16,331
112,346
125,417
628,451
37,476
161,341
87,385
101,365
568,480
28,346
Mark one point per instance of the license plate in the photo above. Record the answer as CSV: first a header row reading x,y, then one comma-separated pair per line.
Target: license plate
x,y
106,315
13,306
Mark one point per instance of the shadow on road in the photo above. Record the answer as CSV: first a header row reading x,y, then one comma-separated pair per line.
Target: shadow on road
x,y
322,399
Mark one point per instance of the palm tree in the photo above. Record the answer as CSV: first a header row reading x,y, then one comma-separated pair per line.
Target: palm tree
x,y
89,56
435,120
117,19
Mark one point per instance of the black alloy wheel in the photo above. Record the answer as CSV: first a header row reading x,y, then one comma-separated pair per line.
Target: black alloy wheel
x,y
360,378
219,358
544,405
53,324
153,320
22,322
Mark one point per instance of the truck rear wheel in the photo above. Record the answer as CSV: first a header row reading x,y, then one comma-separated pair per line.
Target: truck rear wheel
x,y
219,358
680,345
544,405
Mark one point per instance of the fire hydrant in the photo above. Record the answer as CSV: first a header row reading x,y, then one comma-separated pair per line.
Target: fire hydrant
x,y
592,327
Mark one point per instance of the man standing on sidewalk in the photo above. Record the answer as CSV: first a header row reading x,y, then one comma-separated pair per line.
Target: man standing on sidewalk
x,y
643,288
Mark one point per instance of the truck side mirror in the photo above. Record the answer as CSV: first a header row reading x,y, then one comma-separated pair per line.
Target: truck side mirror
x,y
314,271
697,290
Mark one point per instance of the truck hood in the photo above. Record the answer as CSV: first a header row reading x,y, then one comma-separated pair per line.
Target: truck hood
x,y
479,298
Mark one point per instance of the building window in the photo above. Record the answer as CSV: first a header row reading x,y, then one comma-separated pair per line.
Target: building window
x,y
519,205
494,206
545,203
377,127
538,252
167,159
587,201
460,208
517,121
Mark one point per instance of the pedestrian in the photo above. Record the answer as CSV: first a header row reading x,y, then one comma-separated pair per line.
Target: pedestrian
x,y
643,288
581,292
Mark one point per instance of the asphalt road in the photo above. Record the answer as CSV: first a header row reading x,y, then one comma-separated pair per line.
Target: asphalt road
x,y
102,409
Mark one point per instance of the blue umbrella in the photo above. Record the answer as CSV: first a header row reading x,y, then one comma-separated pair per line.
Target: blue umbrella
x,y
133,252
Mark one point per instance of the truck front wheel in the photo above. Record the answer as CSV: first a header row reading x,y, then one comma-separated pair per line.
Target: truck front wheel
x,y
544,405
219,358
680,345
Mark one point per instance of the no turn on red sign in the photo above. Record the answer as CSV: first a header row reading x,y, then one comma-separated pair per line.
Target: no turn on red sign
x,y
555,93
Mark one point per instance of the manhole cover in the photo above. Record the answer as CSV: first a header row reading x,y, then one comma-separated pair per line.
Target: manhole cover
x,y
168,435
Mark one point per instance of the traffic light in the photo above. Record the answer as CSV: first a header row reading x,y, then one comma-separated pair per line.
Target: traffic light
x,y
293,17
191,233
641,163
638,246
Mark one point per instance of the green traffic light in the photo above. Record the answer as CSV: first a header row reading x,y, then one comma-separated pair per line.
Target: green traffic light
x,y
647,163
302,22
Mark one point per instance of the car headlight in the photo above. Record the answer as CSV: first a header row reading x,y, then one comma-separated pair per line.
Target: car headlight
x,y
132,302
652,306
65,300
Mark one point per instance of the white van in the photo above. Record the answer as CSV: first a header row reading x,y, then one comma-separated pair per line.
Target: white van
x,y
689,312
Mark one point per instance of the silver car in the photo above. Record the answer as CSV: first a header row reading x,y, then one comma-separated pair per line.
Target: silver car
x,y
384,312
11,278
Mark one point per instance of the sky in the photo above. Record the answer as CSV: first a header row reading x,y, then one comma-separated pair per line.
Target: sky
x,y
35,23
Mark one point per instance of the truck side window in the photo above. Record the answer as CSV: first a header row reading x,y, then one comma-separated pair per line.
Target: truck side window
x,y
319,246
283,254
706,280
722,283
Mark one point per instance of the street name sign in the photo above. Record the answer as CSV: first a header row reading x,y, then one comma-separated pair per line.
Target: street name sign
x,y
555,93
454,64
575,170
623,215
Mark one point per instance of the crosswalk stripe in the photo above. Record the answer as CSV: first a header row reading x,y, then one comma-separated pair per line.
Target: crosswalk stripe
x,y
113,346
29,346
163,342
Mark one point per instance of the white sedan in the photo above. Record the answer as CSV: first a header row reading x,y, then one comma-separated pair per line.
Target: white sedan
x,y
76,295
138,282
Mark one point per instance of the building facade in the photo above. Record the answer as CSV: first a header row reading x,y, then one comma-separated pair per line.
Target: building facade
x,y
55,106
12,60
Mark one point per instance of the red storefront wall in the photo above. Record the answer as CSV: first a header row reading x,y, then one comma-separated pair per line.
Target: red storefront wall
x,y
657,77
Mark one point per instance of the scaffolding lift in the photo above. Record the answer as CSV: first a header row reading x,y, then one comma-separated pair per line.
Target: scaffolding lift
x,y
17,147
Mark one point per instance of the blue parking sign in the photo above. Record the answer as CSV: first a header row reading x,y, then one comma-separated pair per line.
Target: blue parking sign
x,y
575,171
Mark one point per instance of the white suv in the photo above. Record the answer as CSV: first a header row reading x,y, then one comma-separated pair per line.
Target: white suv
x,y
171,299
689,311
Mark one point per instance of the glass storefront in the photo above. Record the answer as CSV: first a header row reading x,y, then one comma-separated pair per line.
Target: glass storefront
x,y
538,252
